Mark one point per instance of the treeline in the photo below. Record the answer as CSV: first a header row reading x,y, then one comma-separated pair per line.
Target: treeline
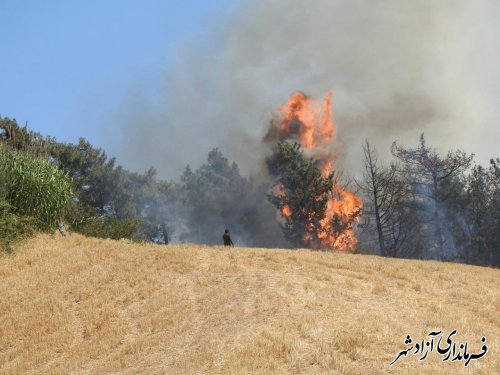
x,y
111,202
428,206
421,205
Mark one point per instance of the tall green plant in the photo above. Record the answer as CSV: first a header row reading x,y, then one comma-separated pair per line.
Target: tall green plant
x,y
34,187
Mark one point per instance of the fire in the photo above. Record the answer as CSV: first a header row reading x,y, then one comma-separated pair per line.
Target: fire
x,y
310,123
301,117
285,211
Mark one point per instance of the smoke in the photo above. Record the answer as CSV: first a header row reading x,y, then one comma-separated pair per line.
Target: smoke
x,y
439,240
396,68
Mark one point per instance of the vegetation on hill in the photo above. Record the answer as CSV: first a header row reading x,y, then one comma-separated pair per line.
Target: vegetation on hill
x,y
423,205
111,202
34,194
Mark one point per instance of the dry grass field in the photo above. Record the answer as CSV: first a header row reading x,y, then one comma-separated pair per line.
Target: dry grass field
x,y
90,306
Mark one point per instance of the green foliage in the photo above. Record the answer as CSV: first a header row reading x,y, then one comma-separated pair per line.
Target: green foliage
x,y
96,180
300,189
25,140
113,202
34,187
13,228
111,227
208,198
111,196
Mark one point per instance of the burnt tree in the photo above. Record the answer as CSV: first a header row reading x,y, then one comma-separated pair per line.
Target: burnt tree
x,y
388,204
433,180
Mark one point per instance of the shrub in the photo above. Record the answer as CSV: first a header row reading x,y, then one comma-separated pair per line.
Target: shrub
x,y
111,227
13,227
33,187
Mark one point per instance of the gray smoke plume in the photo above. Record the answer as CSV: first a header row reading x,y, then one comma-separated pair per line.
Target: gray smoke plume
x,y
396,68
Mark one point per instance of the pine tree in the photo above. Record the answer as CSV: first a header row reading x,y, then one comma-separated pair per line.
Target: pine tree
x,y
301,193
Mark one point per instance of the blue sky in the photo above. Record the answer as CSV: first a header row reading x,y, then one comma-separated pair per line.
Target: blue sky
x,y
67,66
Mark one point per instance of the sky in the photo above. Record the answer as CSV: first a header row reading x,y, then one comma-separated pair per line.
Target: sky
x,y
160,83
69,67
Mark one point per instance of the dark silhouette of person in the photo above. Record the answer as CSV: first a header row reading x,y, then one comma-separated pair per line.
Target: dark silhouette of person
x,y
227,238
165,233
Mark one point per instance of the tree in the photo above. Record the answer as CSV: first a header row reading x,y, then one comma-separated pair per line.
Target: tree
x,y
149,199
24,139
433,179
301,193
134,203
96,178
483,215
388,203
494,224
215,197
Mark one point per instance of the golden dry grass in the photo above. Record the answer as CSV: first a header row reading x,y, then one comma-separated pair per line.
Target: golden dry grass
x,y
90,306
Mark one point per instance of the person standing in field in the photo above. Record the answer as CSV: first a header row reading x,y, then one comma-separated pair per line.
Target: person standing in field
x,y
227,238
60,227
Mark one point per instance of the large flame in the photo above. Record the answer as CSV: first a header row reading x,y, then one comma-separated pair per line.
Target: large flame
x,y
311,124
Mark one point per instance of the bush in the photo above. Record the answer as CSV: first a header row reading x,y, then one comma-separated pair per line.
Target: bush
x,y
34,194
111,227
33,187
13,227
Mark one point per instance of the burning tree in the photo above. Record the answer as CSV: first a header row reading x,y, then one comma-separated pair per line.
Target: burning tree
x,y
301,193
319,212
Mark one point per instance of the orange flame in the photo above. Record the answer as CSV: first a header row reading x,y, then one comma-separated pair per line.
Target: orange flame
x,y
300,116
311,124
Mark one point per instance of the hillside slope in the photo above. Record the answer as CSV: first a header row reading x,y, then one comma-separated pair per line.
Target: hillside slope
x,y
85,306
